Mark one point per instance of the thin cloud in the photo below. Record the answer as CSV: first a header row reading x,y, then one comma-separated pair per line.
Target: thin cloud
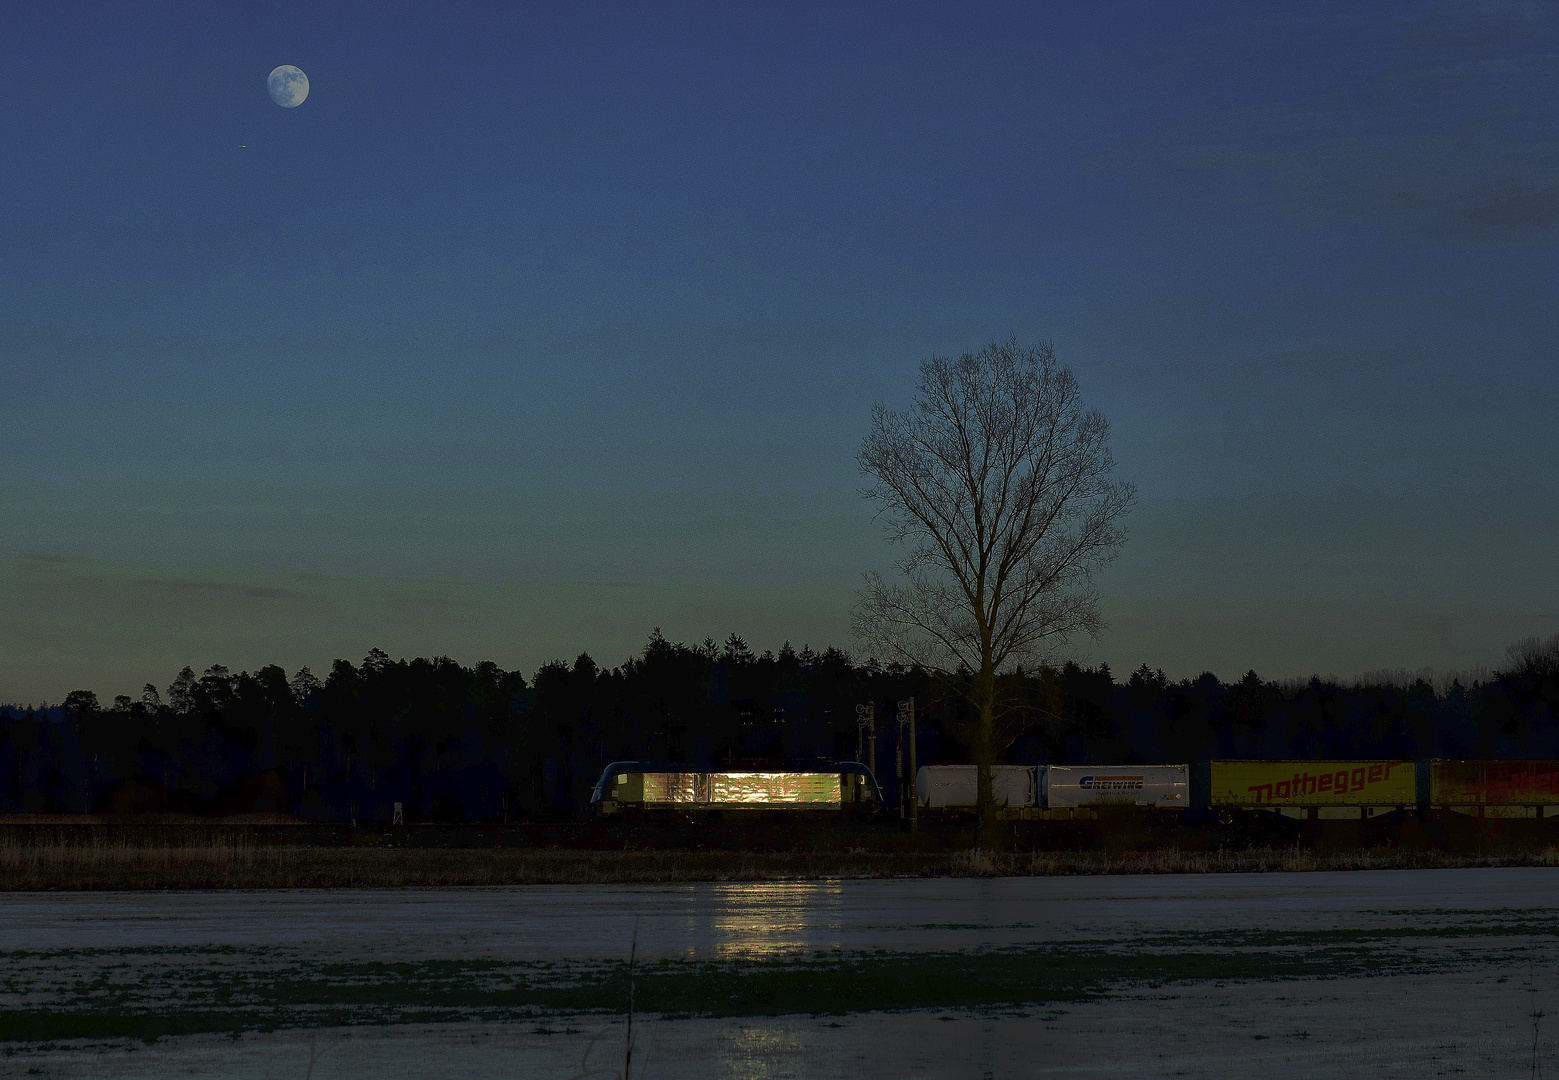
x,y
39,560
186,587
431,602
1451,146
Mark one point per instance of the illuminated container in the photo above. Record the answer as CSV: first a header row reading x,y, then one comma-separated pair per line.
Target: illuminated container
x,y
668,789
1269,785
956,786
630,785
1509,788
1167,786
773,788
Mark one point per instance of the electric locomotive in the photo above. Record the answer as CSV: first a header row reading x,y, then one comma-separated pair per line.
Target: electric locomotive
x,y
643,790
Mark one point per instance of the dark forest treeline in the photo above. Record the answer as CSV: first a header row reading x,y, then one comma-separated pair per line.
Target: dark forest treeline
x,y
480,743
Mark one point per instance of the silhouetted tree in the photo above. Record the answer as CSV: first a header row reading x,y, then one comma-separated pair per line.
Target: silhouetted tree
x,y
181,694
997,481
453,742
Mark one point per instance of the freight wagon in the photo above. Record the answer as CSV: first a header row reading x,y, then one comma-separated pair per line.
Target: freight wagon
x,y
942,786
1305,790
1164,787
638,789
952,791
1490,789
1055,792
1311,790
1354,790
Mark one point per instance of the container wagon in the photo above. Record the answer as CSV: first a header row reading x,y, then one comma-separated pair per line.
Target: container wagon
x,y
1312,790
638,789
957,785
945,790
1162,787
1055,792
1490,789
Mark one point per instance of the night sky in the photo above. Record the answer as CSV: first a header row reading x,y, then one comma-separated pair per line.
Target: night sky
x,y
535,327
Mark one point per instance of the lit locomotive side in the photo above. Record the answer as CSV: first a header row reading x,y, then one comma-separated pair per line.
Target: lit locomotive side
x,y
636,789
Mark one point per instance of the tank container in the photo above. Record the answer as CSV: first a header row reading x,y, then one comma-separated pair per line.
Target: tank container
x,y
956,785
1166,786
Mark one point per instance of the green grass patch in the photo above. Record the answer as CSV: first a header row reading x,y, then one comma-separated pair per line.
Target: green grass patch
x,y
147,995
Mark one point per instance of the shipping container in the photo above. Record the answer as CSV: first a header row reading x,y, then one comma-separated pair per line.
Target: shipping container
x,y
1167,786
956,786
1277,784
1493,783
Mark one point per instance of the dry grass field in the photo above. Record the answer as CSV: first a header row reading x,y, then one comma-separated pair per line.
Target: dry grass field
x,y
220,859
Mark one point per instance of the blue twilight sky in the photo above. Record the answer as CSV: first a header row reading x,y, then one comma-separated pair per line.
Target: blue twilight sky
x,y
536,326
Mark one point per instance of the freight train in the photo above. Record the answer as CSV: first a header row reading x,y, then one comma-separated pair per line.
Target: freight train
x,y
1225,790
1306,790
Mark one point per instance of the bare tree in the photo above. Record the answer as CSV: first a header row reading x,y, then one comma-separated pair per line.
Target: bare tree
x,y
1533,657
997,482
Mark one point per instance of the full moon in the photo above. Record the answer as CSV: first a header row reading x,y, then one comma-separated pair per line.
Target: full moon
x,y
288,86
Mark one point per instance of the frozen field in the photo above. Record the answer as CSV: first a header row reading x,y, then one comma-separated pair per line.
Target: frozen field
x,y
1379,974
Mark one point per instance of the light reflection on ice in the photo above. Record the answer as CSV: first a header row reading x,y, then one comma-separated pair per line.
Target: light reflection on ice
x,y
776,918
755,918
1470,1020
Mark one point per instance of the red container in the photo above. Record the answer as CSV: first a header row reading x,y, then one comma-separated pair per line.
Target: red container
x,y
1494,783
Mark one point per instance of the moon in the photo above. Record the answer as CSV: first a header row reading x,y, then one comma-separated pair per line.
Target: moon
x,y
288,86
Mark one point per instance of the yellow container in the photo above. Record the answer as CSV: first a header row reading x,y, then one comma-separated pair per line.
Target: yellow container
x,y
1313,783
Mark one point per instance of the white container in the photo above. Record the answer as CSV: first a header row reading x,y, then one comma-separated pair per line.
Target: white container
x,y
956,785
1140,785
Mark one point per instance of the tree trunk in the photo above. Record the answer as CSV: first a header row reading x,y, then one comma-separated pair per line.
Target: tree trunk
x,y
985,812
988,829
